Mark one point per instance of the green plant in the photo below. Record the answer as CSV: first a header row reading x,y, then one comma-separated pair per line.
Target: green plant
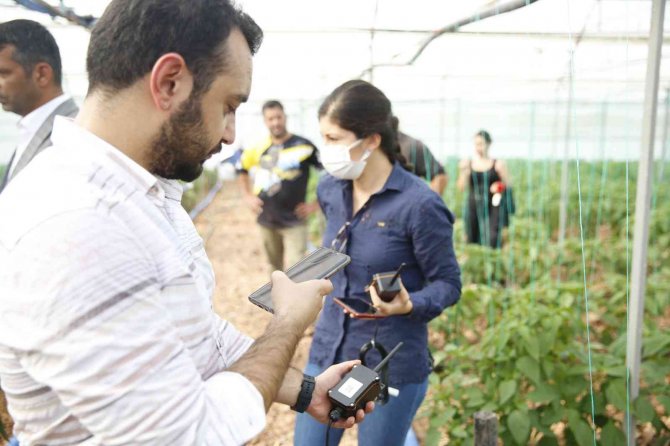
x,y
516,343
530,367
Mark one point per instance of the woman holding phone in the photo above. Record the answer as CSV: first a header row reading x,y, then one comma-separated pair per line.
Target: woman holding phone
x,y
382,216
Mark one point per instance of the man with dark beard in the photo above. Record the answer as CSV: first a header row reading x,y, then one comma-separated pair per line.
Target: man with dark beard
x,y
107,335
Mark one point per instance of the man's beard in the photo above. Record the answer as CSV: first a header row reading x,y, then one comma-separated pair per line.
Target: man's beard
x,y
279,133
181,146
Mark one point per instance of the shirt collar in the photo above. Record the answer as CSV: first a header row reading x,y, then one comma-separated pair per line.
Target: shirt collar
x,y
67,133
173,188
32,121
395,181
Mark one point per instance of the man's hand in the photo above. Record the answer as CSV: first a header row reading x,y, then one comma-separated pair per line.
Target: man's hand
x,y
304,210
320,406
254,203
298,303
401,304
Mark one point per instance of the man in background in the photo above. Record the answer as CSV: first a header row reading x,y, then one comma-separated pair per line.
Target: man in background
x,y
280,166
30,86
423,162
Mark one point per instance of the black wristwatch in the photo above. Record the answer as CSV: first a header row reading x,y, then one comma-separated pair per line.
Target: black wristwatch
x,y
305,395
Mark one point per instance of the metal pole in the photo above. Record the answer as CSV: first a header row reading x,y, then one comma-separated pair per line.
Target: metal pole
x,y
372,44
563,216
664,141
642,205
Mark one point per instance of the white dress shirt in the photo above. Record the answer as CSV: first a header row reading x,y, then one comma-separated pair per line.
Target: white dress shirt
x,y
107,336
31,123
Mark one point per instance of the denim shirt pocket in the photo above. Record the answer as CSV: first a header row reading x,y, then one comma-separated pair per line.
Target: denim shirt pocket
x,y
391,244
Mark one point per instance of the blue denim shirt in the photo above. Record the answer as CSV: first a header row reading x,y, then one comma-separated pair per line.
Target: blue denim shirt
x,y
404,222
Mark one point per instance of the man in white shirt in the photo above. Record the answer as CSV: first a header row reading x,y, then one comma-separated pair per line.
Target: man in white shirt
x,y
107,335
30,86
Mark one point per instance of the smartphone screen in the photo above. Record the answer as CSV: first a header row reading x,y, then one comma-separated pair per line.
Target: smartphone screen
x,y
320,264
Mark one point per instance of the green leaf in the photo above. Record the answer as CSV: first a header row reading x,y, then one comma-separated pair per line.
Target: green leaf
x,y
548,338
433,436
553,414
502,340
580,428
442,418
616,393
644,410
543,393
598,402
475,397
548,441
519,426
659,426
506,437
507,390
549,368
458,432
653,373
612,436
654,344
616,371
573,386
532,346
665,402
529,367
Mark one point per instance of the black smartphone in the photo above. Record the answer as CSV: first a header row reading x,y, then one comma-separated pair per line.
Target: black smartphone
x,y
320,264
356,314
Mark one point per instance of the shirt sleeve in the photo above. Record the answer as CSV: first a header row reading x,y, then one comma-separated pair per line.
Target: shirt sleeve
x,y
314,160
231,342
428,164
248,159
88,319
321,195
435,166
432,238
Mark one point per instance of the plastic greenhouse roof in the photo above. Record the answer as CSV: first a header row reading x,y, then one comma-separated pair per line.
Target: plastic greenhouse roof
x,y
311,46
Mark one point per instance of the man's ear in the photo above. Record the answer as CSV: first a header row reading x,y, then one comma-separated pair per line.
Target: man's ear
x,y
43,74
170,82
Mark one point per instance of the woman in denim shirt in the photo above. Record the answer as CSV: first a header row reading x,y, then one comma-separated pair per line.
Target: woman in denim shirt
x,y
382,216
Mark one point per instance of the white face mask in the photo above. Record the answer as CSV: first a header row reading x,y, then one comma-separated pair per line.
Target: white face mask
x,y
336,159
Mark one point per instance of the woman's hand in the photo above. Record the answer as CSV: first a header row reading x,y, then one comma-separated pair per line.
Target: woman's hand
x,y
497,187
401,304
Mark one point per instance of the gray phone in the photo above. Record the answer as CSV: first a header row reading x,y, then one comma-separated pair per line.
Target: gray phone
x,y
320,264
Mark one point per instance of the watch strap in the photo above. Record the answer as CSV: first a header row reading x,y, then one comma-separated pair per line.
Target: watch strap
x,y
305,395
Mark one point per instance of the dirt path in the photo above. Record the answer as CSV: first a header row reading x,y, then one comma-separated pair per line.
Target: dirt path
x,y
233,244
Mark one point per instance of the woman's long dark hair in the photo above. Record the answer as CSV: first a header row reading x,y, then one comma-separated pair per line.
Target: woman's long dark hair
x,y
362,108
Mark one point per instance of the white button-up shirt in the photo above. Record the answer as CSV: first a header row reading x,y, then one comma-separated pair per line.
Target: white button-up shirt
x,y
107,336
31,123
